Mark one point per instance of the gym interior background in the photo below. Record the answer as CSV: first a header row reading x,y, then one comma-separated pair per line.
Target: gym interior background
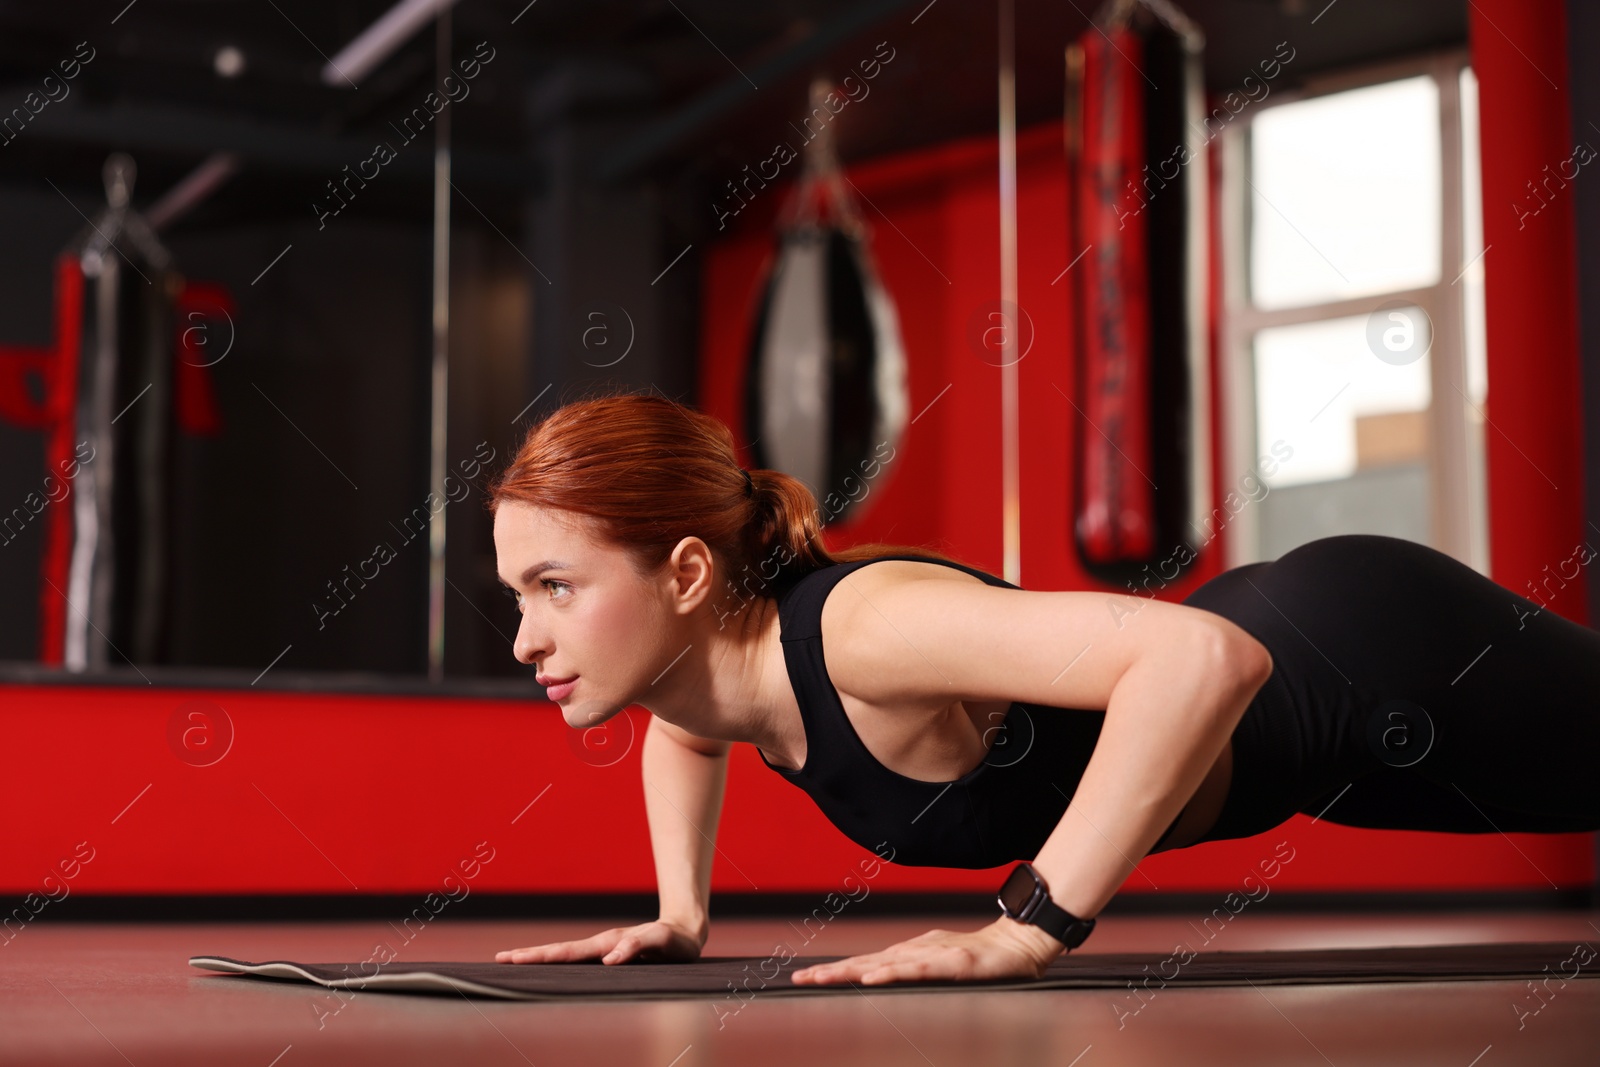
x,y
603,227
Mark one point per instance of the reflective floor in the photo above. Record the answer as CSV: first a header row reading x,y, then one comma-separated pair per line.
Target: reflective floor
x,y
90,993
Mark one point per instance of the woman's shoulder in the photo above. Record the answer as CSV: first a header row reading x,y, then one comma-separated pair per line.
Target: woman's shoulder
x,y
821,603
895,570
891,569
847,603
912,734
883,572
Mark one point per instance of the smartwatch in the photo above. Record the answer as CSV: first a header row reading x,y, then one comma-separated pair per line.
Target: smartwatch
x,y
1025,898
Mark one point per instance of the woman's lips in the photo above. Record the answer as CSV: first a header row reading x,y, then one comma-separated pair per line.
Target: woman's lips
x,y
559,692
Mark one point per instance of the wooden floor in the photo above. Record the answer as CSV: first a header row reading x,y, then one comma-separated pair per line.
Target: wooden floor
x,y
84,993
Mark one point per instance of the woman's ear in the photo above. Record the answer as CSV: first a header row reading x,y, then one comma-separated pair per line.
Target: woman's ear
x,y
691,573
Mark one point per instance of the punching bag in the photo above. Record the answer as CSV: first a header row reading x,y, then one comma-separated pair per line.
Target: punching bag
x,y
117,580
128,365
1137,184
826,398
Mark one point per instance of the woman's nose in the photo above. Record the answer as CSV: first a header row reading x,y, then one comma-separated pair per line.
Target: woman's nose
x,y
527,648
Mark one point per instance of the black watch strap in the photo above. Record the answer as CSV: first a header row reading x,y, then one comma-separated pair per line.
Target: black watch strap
x,y
1025,898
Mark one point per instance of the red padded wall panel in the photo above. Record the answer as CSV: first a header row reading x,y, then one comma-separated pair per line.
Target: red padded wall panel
x,y
347,794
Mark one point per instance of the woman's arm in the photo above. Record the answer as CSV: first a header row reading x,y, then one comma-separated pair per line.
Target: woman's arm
x,y
684,779
1168,717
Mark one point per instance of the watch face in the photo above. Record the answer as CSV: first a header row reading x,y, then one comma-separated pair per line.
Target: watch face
x,y
1021,888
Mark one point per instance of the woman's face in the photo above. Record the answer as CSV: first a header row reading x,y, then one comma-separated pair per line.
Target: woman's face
x,y
585,612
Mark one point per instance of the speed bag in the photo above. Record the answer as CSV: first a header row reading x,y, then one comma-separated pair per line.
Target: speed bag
x,y
1137,194
825,394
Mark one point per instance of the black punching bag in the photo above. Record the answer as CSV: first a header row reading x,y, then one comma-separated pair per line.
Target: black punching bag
x,y
826,398
118,582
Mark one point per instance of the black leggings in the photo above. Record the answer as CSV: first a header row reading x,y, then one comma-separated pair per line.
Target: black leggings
x,y
1411,692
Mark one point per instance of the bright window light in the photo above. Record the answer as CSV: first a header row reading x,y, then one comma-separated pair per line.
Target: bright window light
x,y
1321,389
1345,195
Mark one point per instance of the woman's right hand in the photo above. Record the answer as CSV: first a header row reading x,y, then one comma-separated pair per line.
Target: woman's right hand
x,y
653,942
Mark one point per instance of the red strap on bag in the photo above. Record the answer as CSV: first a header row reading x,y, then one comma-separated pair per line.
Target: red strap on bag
x,y
60,461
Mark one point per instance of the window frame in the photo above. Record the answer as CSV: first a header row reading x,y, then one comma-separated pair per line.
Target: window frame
x,y
1457,506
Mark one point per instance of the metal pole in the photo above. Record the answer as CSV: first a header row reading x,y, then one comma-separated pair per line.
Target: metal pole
x,y
441,357
1011,505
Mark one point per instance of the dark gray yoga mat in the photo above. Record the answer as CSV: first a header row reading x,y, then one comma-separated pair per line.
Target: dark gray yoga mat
x,y
722,976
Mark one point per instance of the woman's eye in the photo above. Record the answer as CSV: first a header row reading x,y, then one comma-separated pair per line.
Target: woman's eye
x,y
514,595
548,582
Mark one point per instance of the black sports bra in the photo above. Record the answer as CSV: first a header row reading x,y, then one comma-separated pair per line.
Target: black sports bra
x,y
999,812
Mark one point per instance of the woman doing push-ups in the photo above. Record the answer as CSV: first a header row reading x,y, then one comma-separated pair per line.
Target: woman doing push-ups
x,y
940,716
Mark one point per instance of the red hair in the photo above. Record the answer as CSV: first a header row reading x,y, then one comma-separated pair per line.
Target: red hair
x,y
647,471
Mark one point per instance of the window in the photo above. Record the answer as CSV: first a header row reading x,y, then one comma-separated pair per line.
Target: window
x,y
1353,342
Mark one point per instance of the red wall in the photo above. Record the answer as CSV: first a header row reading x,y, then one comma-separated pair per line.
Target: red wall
x,y
1535,448
343,794
340,794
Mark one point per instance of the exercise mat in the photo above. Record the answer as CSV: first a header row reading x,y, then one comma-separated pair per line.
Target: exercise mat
x,y
722,976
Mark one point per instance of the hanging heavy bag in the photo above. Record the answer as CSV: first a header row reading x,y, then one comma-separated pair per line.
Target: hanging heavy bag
x,y
130,354
826,399
1141,425
117,587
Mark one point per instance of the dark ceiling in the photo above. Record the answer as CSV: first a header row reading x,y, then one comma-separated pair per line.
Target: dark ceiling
x,y
691,90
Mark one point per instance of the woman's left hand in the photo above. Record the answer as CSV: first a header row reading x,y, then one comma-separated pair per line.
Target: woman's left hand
x,y
1003,949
